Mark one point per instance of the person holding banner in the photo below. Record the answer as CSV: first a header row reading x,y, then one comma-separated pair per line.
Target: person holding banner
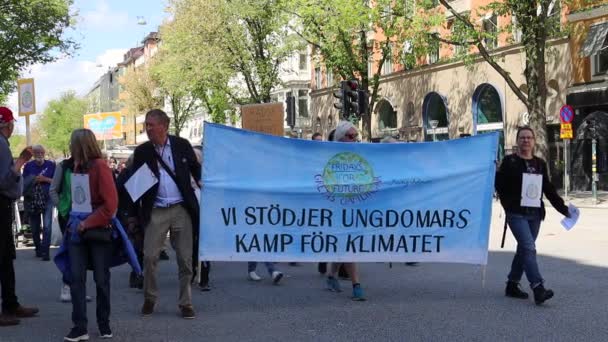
x,y
168,205
521,181
345,132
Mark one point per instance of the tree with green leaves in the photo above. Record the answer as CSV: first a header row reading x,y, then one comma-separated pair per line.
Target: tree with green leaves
x,y
228,48
537,21
340,30
59,119
32,32
140,91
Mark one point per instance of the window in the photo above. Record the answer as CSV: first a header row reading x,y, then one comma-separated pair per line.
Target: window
x,y
318,78
600,61
330,77
387,116
490,28
516,30
303,60
434,54
434,108
387,67
303,103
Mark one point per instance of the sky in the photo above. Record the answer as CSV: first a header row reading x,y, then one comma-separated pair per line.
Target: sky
x,y
105,30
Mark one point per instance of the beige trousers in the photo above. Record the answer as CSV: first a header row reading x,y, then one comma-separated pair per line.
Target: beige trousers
x,y
176,220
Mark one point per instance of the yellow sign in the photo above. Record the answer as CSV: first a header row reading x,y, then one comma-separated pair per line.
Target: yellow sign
x,y
106,126
265,118
27,96
566,131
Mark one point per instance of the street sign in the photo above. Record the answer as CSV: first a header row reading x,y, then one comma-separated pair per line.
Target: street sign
x,y
566,114
565,131
27,97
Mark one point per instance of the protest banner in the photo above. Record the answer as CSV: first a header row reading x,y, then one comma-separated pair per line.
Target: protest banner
x,y
264,118
268,198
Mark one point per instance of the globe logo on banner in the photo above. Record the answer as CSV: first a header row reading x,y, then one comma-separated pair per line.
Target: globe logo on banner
x,y
348,177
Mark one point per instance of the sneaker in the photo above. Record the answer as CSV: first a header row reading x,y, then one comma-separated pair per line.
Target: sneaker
x,y
76,335
204,287
276,277
513,290
148,308
164,255
8,320
333,284
65,295
541,294
358,293
105,332
254,276
187,311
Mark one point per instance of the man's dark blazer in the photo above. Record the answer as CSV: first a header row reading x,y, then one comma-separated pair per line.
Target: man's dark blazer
x,y
185,164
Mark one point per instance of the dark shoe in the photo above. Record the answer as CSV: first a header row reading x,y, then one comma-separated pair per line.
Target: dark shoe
x,y
45,258
342,274
322,268
187,311
76,335
514,291
276,277
541,294
148,308
140,282
204,287
105,332
8,320
411,264
23,312
164,255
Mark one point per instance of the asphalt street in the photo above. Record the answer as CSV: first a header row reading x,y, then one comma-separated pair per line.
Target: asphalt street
x,y
428,302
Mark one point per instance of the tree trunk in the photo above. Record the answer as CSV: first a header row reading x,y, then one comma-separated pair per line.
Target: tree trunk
x,y
537,96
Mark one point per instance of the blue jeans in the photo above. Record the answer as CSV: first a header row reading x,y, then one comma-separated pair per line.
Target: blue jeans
x,y
525,229
98,255
42,247
252,265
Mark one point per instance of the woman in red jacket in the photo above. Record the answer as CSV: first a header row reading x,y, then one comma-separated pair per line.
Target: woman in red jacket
x,y
89,245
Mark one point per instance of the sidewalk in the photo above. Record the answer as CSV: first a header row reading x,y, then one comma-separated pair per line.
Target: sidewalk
x,y
584,199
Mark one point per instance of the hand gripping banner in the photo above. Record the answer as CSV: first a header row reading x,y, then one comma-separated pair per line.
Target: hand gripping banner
x,y
268,198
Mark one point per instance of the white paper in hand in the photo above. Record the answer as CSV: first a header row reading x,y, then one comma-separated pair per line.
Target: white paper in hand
x,y
569,222
140,182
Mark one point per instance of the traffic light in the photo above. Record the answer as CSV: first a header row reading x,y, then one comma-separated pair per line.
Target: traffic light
x,y
342,106
363,101
353,102
291,111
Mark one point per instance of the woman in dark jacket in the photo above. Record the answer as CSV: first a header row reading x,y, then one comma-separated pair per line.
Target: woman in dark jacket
x,y
525,210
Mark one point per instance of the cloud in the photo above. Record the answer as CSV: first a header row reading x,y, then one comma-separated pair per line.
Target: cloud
x,y
103,18
51,80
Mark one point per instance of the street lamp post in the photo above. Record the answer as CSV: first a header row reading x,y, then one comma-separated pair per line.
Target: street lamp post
x,y
434,124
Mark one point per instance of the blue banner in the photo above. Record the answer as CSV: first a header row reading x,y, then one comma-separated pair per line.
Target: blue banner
x,y
268,198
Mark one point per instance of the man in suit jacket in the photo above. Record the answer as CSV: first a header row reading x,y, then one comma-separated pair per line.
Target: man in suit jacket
x,y
170,205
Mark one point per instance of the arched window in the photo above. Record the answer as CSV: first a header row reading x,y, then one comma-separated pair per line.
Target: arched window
x,y
434,108
488,113
387,116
